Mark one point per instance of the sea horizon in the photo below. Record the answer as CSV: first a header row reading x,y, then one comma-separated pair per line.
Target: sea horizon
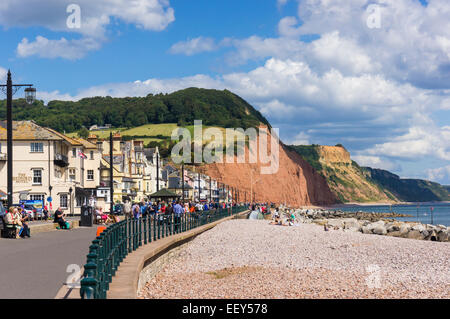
x,y
419,211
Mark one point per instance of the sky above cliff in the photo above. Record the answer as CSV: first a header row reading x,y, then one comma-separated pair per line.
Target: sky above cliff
x,y
371,75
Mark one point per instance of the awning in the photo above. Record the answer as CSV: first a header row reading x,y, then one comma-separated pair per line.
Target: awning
x,y
164,193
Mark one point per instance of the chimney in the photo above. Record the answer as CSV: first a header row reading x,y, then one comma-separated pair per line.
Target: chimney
x,y
93,139
117,138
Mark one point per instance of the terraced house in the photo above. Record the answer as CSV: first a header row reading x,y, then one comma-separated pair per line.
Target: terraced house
x,y
134,170
50,166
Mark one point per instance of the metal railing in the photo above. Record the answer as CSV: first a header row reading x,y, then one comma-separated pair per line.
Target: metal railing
x,y
109,249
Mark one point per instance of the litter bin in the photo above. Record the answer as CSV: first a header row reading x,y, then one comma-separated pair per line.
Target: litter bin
x,y
86,216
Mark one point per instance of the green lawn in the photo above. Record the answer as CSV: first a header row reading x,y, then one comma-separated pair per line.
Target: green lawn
x,y
150,130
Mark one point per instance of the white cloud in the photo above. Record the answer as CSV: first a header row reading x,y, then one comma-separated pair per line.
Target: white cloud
x,y
136,88
300,139
3,73
194,46
281,3
375,162
411,45
440,174
96,16
63,48
419,142
287,27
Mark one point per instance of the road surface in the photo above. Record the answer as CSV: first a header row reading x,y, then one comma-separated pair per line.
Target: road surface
x,y
36,267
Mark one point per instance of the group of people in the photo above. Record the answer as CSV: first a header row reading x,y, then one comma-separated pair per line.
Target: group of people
x,y
278,220
17,217
144,208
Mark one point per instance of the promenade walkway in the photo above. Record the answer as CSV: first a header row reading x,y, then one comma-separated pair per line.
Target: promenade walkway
x,y
36,267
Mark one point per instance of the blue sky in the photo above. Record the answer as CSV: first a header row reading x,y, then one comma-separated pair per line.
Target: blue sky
x,y
372,75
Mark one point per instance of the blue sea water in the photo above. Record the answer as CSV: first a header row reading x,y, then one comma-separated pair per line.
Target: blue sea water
x,y
421,212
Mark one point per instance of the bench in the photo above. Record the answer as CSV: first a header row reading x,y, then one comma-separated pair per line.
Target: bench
x,y
8,230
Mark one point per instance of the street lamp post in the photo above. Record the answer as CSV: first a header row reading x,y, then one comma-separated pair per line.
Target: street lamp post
x,y
70,203
251,186
111,174
30,95
182,181
157,172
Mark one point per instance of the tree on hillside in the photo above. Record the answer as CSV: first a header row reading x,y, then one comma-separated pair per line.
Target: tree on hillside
x,y
83,133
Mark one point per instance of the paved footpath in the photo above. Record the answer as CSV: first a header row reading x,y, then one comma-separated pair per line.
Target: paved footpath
x,y
36,267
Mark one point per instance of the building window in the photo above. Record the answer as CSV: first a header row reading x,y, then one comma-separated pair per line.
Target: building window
x,y
37,176
92,155
71,174
74,152
37,197
37,147
58,173
63,200
90,175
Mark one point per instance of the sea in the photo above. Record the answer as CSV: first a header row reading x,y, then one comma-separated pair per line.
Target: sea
x,y
426,213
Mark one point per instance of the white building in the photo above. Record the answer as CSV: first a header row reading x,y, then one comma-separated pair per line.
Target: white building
x,y
49,166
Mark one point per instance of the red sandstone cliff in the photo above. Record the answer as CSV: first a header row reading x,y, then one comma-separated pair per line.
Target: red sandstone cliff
x,y
296,183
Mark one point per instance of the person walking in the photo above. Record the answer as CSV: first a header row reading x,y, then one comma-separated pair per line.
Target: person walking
x,y
136,211
127,209
178,212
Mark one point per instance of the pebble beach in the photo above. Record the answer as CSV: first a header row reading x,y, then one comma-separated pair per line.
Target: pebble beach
x,y
248,259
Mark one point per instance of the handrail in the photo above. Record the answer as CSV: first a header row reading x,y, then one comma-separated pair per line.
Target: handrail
x,y
109,249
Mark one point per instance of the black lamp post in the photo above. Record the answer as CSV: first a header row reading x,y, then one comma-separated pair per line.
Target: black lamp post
x,y
30,95
182,181
111,174
70,203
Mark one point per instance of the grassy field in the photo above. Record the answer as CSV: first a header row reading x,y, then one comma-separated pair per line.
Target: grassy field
x,y
150,131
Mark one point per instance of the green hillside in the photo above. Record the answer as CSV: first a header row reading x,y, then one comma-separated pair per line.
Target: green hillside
x,y
352,183
214,107
409,190
346,179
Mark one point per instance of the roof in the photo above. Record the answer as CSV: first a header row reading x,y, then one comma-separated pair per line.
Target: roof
x,y
164,193
70,140
186,187
28,130
86,144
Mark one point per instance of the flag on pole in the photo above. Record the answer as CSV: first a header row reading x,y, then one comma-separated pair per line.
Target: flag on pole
x,y
82,155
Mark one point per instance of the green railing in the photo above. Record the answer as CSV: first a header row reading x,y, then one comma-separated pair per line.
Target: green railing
x,y
118,240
